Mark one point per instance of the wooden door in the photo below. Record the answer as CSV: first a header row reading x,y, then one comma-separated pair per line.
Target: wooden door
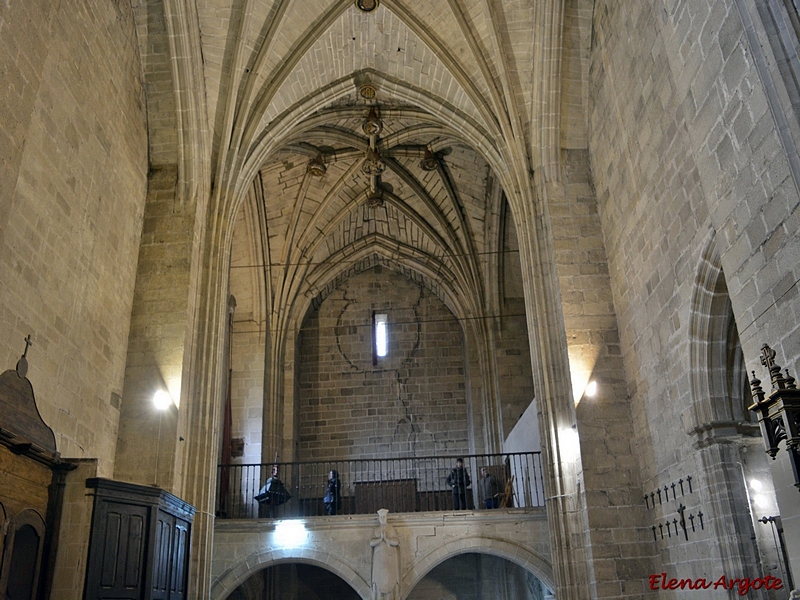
x,y
116,567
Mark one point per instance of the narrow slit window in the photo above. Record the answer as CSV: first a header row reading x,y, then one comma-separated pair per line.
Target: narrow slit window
x,y
381,335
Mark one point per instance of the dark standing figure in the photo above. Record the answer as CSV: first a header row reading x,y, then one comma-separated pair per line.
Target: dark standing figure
x,y
333,495
459,481
489,489
272,495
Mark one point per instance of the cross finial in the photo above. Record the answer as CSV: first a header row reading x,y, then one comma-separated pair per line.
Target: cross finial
x,y
767,356
22,363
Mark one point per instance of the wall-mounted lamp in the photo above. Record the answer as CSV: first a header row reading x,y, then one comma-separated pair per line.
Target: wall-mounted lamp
x,y
162,399
591,389
778,413
291,534
569,443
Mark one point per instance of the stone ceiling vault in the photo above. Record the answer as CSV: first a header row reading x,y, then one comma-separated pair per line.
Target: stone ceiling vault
x,y
260,86
282,83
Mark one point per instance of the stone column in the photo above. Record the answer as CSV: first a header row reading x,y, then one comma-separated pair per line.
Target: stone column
x,y
605,431
146,445
562,462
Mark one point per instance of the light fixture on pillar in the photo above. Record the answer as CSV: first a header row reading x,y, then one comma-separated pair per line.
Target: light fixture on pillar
x,y
162,399
778,413
290,534
591,389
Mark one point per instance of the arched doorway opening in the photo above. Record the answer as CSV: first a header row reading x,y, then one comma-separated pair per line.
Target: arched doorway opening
x,y
294,581
473,576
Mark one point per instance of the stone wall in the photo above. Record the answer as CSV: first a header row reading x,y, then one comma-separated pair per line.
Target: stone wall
x,y
73,165
686,156
247,390
249,337
410,402
341,545
513,351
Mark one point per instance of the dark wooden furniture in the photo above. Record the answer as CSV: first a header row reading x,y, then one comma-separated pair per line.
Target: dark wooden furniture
x,y
398,494
31,491
139,543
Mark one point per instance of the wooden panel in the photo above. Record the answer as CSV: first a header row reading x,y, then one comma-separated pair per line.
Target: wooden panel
x,y
180,565
117,552
108,574
134,552
145,534
22,559
398,495
23,568
23,483
435,500
162,553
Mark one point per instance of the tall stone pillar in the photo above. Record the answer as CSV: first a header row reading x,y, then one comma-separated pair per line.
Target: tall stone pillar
x,y
562,462
604,425
149,436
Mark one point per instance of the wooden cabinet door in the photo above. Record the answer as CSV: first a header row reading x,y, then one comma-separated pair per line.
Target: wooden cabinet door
x,y
116,566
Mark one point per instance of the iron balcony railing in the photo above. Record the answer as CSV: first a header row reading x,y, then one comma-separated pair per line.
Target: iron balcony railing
x,y
398,484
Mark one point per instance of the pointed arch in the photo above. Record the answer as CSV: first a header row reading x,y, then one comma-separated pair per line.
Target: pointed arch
x,y
717,371
727,443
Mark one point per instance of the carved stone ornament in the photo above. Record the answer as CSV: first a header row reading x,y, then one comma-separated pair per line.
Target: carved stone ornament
x,y
367,91
373,165
367,5
316,167
385,560
374,200
429,162
372,125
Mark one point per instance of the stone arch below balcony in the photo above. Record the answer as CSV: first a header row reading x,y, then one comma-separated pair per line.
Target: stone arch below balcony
x,y
341,545
513,552
258,561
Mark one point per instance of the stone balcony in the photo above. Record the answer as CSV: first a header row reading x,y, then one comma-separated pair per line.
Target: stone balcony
x,y
341,544
508,521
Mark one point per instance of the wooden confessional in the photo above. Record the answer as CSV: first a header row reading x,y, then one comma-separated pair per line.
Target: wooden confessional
x,y
32,478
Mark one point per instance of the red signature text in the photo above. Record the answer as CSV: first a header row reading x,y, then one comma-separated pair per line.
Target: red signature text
x,y
741,585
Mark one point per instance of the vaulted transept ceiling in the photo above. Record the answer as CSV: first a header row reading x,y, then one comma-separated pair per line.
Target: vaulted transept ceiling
x,y
451,82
